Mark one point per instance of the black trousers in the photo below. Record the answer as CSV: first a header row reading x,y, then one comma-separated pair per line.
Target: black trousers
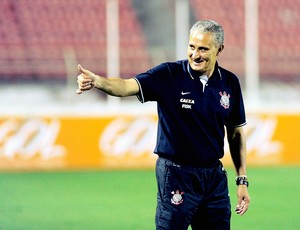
x,y
191,196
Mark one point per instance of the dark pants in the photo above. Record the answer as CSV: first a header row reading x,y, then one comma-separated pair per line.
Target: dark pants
x,y
191,196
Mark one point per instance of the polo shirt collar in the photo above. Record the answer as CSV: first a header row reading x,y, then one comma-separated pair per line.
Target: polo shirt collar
x,y
194,74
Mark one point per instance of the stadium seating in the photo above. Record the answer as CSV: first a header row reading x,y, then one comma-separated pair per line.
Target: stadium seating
x,y
36,35
279,31
231,15
279,39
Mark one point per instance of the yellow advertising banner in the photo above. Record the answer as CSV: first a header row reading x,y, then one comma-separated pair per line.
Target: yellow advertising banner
x,y
127,141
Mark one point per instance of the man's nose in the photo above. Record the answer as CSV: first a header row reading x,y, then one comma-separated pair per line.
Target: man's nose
x,y
196,54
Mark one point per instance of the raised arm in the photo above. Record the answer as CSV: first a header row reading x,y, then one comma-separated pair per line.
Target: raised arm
x,y
114,86
237,144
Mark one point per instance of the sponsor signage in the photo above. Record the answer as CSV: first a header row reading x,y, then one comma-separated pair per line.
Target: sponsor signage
x,y
126,141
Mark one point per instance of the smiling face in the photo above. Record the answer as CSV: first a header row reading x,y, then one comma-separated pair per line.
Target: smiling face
x,y
203,52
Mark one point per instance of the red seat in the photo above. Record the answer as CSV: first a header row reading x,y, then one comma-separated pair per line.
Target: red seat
x,y
43,30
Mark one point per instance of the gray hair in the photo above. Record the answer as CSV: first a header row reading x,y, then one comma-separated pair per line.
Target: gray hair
x,y
210,26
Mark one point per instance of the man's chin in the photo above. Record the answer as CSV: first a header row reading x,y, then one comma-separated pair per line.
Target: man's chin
x,y
197,67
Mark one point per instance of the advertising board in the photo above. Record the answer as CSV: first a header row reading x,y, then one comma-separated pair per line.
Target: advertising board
x,y
127,141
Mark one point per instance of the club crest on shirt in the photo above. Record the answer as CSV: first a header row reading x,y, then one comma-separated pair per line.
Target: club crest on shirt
x,y
224,101
177,197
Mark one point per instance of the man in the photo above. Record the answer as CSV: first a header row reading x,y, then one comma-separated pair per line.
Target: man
x,y
196,99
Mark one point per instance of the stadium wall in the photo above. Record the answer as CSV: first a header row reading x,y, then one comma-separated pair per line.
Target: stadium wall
x,y
126,141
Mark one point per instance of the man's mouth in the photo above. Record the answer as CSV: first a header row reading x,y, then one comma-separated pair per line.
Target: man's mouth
x,y
198,60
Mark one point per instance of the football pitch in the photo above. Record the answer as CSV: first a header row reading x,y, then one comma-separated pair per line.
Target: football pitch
x,y
110,200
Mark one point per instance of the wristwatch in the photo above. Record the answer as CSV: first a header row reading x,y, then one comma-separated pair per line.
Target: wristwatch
x,y
242,180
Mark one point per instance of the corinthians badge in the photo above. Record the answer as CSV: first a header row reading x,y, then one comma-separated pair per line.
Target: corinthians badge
x,y
224,101
177,197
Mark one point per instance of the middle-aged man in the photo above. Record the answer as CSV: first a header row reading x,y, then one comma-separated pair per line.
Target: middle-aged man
x,y
196,100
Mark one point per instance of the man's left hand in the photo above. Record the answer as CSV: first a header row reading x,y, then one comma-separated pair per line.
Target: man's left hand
x,y
243,200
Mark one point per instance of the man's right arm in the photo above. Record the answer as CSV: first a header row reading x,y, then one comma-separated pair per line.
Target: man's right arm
x,y
113,86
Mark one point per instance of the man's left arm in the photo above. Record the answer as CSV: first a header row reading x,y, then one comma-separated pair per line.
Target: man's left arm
x,y
237,145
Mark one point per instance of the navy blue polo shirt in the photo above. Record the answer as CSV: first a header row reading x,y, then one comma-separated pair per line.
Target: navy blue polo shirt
x,y
191,120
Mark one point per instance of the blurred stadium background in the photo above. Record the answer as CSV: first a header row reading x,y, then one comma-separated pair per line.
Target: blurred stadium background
x,y
44,125
41,43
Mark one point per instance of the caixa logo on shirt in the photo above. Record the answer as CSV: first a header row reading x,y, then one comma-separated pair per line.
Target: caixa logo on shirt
x,y
186,103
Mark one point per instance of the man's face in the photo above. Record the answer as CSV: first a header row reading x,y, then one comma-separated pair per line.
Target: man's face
x,y
202,52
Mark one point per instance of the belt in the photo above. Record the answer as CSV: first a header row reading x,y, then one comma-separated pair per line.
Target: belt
x,y
216,164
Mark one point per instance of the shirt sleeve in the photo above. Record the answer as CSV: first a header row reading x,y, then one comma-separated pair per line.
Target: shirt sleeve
x,y
152,83
237,116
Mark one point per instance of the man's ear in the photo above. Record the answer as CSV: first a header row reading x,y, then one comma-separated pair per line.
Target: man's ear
x,y
220,49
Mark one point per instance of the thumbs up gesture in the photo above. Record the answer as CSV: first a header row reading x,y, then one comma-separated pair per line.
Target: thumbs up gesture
x,y
85,80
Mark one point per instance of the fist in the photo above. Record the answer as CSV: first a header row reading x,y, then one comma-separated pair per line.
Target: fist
x,y
85,80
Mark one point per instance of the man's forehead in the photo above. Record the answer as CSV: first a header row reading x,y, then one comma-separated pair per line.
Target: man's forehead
x,y
200,35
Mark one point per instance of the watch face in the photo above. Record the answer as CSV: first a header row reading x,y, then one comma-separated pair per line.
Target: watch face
x,y
242,181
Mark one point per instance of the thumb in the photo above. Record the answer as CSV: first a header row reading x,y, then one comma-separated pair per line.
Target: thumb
x,y
86,73
81,69
239,201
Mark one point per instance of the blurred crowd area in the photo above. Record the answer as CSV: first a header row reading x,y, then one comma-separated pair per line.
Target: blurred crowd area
x,y
41,40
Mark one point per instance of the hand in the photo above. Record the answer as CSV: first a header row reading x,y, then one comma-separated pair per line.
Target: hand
x,y
85,80
243,200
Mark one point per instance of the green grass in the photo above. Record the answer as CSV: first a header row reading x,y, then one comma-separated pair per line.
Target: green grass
x,y
110,200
